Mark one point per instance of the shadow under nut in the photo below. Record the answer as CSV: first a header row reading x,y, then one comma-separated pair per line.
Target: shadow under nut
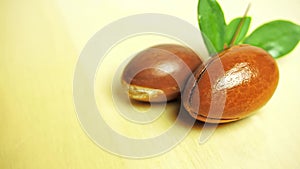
x,y
158,73
249,80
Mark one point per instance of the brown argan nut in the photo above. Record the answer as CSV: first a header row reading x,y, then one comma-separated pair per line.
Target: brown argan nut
x,y
242,78
158,73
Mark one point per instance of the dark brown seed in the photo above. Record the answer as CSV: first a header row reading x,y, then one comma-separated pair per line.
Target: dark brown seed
x,y
158,73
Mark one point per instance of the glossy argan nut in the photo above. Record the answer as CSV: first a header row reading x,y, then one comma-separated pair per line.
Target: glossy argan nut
x,y
158,73
249,79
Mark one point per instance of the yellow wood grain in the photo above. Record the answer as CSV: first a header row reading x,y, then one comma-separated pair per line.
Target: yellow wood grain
x,y
40,44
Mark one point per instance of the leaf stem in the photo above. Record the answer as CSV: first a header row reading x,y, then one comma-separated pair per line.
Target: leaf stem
x,y
238,30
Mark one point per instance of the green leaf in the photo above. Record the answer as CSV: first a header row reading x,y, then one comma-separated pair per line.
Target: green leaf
x,y
277,37
232,28
212,25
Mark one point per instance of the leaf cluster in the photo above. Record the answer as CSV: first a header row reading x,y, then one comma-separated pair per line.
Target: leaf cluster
x,y
277,37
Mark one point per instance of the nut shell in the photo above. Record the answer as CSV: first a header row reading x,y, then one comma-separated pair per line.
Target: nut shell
x,y
158,73
246,82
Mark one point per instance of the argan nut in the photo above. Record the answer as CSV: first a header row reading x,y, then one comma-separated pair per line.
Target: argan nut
x,y
242,78
158,73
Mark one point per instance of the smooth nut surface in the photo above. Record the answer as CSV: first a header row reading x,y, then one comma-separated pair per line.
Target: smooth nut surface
x,y
158,73
249,79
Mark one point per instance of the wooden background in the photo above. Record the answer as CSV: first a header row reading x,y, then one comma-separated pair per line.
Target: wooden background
x,y
40,44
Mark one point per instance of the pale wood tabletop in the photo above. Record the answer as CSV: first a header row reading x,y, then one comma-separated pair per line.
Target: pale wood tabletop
x,y
40,44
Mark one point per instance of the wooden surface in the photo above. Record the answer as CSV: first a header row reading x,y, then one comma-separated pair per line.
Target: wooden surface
x,y
40,45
